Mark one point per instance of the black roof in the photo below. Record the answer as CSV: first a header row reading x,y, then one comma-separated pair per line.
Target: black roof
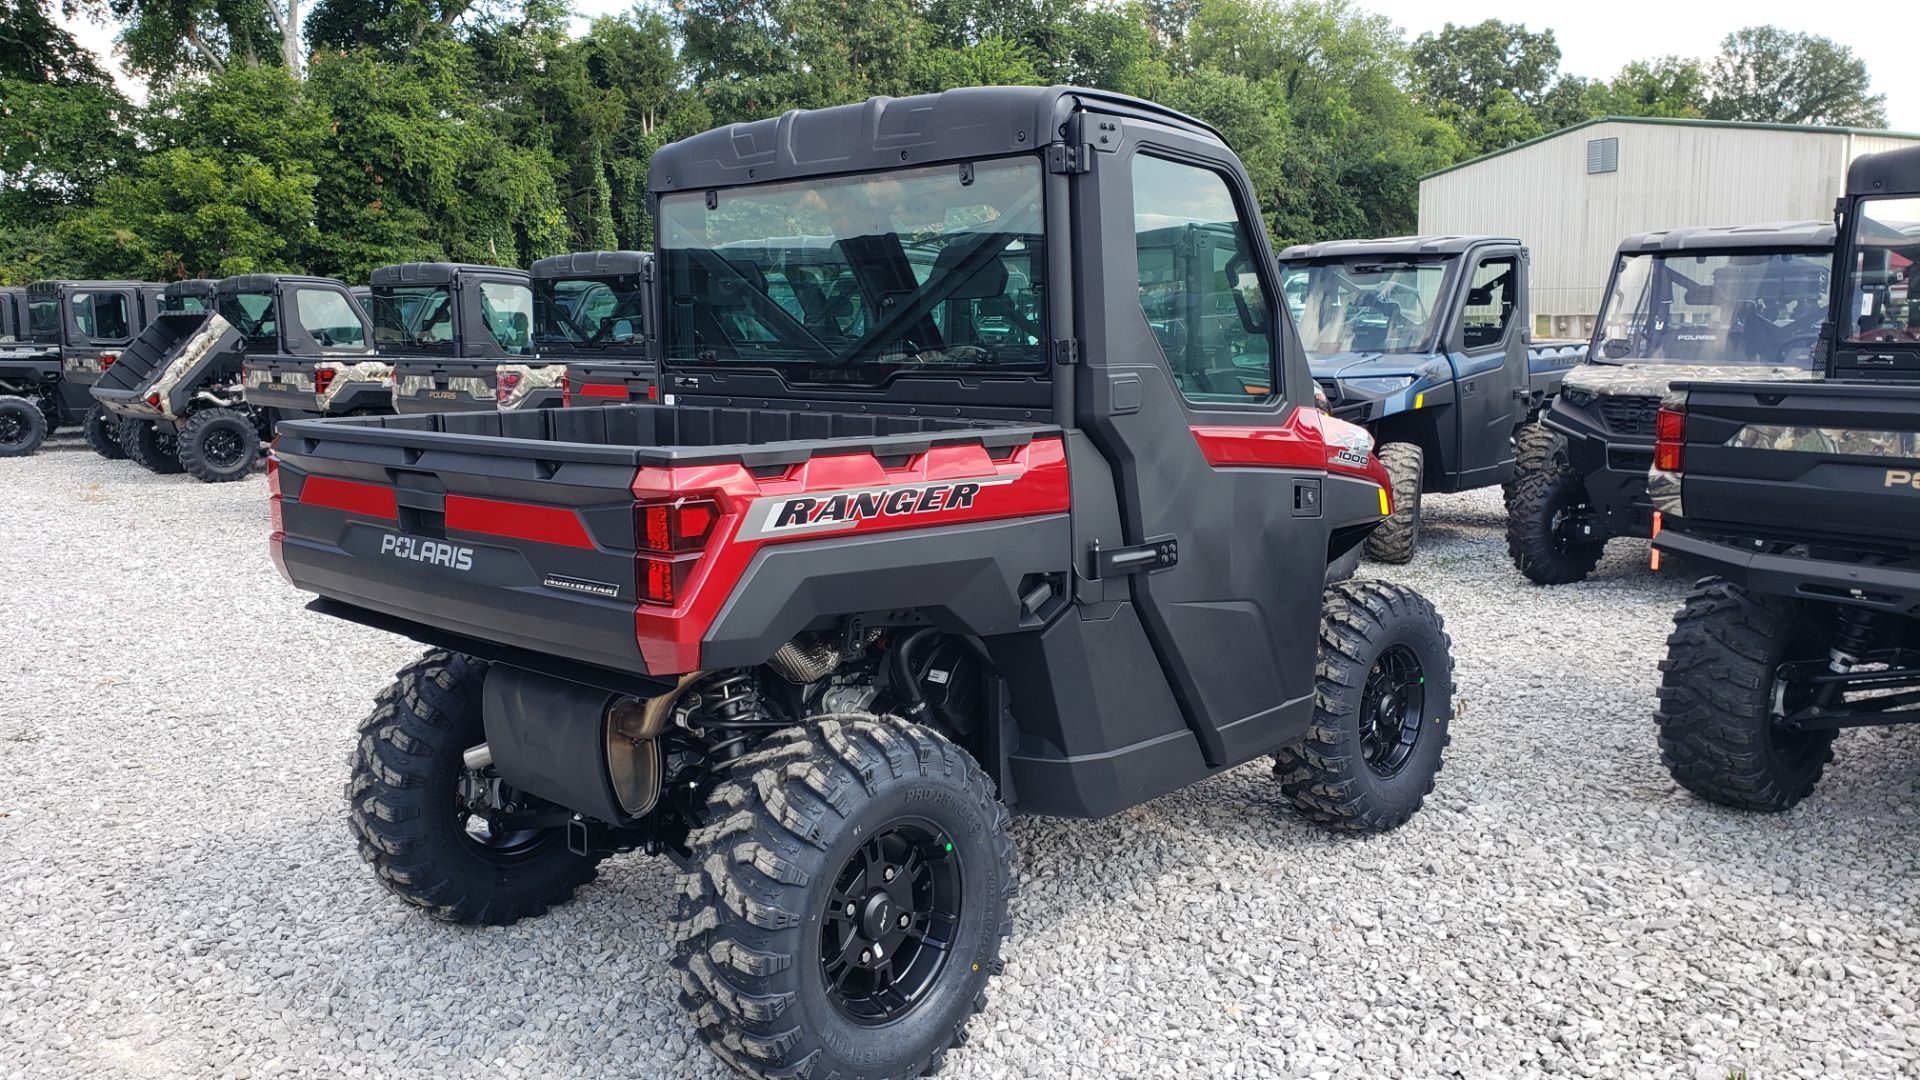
x,y
1767,236
435,273
592,264
189,287
240,283
1890,172
53,285
1393,245
880,133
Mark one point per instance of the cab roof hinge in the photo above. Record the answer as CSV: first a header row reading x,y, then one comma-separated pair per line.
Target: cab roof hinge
x,y
1069,158
1066,350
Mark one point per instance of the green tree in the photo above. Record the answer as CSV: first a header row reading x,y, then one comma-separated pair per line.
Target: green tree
x,y
1467,66
1767,74
1668,86
36,48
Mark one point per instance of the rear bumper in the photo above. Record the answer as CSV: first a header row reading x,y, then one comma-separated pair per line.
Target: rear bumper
x,y
428,401
1881,588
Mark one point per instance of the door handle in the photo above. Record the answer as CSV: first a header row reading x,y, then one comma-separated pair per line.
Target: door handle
x,y
1158,553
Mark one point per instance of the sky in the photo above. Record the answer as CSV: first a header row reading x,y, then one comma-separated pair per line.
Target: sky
x,y
1596,40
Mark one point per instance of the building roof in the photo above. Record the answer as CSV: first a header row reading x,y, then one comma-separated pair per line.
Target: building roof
x,y
1392,245
1770,236
1676,121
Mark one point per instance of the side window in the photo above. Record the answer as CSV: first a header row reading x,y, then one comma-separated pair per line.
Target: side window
x,y
329,319
102,315
508,311
1199,286
1491,303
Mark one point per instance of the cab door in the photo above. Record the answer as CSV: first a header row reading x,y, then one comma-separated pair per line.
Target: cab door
x,y
1488,348
1193,387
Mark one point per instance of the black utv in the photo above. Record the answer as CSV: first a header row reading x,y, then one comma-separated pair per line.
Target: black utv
x,y
446,328
593,326
1801,500
31,403
1682,304
180,391
1425,342
996,543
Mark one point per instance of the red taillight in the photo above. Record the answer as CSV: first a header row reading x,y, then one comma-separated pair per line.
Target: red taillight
x,y
670,537
107,359
1669,440
503,387
675,528
274,498
323,378
153,400
653,393
566,389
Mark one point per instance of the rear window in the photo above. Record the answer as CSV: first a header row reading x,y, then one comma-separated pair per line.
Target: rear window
x,y
251,315
589,312
415,316
507,309
103,316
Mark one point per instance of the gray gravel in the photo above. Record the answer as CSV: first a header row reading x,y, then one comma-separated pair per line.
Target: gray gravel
x,y
178,894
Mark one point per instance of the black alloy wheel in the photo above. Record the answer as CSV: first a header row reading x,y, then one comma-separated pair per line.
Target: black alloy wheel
x,y
1392,710
890,922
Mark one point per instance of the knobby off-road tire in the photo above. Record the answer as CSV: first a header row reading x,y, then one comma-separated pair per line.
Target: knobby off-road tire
x,y
1536,449
146,447
769,959
23,427
1345,566
1394,539
404,812
1717,700
102,430
218,446
1537,539
1384,700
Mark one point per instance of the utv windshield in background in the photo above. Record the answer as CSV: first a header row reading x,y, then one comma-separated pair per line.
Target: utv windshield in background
x,y
251,315
1729,308
1884,305
940,267
43,319
1388,307
590,313
415,317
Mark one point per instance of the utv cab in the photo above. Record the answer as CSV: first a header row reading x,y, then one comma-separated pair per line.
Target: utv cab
x,y
31,403
90,323
323,363
446,328
1681,305
1424,341
593,320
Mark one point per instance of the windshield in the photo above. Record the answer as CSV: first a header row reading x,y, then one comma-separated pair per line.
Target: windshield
x,y
935,267
588,312
1743,307
412,316
1884,305
1364,306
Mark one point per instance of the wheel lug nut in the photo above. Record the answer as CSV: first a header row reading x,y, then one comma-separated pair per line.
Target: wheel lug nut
x,y
878,952
866,957
889,873
850,909
906,920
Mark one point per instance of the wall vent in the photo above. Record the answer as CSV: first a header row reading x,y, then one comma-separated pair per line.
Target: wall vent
x,y
1603,156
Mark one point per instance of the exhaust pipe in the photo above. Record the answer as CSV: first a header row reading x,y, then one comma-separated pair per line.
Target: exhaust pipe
x,y
477,757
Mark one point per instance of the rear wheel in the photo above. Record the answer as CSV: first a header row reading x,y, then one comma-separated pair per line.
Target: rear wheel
x,y
849,902
1722,699
1345,566
441,836
1384,699
219,445
23,427
148,447
1550,529
102,430
1394,540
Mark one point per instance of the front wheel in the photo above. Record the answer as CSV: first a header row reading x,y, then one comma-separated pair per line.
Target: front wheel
x,y
1722,699
1383,701
219,445
148,447
442,836
1394,539
1536,448
23,427
102,430
1551,534
848,903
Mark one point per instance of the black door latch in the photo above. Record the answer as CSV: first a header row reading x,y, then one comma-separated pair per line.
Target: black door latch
x,y
1158,553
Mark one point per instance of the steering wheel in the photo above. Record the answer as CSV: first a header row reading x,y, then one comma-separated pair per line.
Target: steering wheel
x,y
1395,299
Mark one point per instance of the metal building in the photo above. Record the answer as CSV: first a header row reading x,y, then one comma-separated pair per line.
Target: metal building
x,y
1572,196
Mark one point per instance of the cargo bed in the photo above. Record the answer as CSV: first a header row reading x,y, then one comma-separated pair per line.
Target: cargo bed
x,y
177,353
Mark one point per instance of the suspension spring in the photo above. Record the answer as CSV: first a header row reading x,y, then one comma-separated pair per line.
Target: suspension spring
x,y
1852,638
733,701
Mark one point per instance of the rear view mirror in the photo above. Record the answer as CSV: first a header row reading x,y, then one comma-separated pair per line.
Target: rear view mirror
x,y
1480,297
1615,348
1702,296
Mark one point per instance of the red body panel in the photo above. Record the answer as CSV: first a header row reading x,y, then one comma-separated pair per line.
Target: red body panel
x,y
516,521
1302,442
1031,481
350,496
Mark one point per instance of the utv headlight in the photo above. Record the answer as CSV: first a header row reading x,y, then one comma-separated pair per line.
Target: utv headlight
x,y
1381,385
1579,398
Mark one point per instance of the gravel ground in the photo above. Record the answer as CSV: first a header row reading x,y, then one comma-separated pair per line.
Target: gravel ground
x,y
178,894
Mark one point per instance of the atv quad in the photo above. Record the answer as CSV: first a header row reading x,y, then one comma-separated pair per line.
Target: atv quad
x,y
1044,532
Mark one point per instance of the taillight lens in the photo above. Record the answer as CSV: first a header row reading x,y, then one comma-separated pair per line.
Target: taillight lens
x,y
322,379
107,359
670,537
153,400
1669,440
503,387
566,389
274,498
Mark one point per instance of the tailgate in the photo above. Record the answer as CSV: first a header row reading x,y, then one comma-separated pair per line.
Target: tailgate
x,y
1837,459
529,553
330,384
433,384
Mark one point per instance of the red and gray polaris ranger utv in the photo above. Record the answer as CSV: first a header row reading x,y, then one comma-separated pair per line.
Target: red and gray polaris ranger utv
x,y
593,325
1035,521
1802,500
